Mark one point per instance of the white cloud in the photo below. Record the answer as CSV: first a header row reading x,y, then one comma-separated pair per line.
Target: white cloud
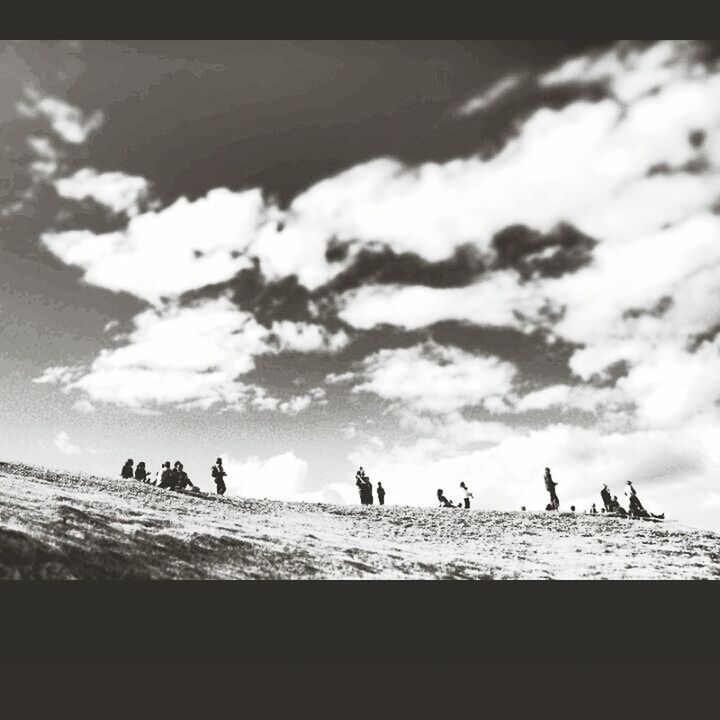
x,y
115,190
191,357
164,254
498,300
63,444
491,95
84,406
307,337
435,378
68,121
282,477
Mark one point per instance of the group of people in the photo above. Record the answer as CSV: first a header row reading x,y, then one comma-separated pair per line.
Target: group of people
x,y
444,502
172,478
610,502
365,488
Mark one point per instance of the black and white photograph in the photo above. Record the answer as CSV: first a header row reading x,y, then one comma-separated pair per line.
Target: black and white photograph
x,y
359,310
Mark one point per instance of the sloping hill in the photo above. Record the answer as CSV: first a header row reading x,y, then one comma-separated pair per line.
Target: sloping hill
x,y
59,525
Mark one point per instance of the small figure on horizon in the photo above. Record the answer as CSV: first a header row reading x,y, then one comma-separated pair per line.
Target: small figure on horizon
x,y
381,493
444,502
141,473
572,508
181,478
636,507
468,495
550,487
523,508
127,470
166,478
593,510
218,473
605,495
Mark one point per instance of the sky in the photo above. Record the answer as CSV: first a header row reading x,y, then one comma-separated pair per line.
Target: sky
x,y
443,261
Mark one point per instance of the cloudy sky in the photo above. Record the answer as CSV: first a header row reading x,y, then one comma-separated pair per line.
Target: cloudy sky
x,y
444,261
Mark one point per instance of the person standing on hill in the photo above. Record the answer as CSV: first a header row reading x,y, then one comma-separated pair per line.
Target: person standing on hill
x,y
550,487
368,490
381,494
468,495
127,470
218,474
605,495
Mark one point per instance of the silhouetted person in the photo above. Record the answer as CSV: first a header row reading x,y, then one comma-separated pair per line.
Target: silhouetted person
x,y
368,490
141,473
181,478
593,510
444,502
550,487
381,494
605,495
127,470
218,473
523,508
468,495
636,507
572,508
166,476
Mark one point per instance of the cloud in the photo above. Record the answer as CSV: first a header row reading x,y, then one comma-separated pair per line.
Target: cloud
x,y
435,378
491,95
164,254
63,444
191,357
117,191
69,122
282,477
84,406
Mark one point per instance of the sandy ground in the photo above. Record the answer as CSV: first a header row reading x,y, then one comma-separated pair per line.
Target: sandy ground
x,y
58,525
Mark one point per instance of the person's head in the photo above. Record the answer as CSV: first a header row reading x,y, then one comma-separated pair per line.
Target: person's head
x,y
141,464
615,498
129,462
219,461
628,482
523,507
462,484
179,465
602,510
593,505
379,484
547,470
166,464
572,508
605,486
440,492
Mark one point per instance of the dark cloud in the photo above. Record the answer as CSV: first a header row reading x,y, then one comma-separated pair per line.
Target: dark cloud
x,y
522,249
657,310
384,266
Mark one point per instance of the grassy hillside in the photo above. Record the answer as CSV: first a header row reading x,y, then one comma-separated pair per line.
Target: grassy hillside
x,y
60,525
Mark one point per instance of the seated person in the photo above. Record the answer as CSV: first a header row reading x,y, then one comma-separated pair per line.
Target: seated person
x,y
444,502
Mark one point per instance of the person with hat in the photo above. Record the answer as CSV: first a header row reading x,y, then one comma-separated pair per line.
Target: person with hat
x,y
218,475
593,510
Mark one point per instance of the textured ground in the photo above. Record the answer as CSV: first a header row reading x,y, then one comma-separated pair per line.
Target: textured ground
x,y
58,525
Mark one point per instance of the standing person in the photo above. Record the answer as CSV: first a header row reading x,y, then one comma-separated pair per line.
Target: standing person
x,y
140,472
381,493
127,470
550,487
218,473
468,495
605,495
593,510
360,482
368,490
